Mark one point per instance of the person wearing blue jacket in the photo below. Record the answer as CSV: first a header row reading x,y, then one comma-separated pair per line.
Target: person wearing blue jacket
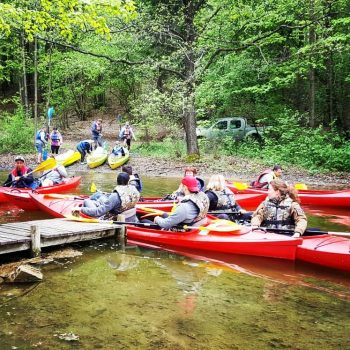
x,y
84,147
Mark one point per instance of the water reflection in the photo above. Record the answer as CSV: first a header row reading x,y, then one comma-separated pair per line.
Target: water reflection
x,y
149,299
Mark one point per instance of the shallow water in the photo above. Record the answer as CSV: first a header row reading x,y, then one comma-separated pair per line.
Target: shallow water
x,y
149,299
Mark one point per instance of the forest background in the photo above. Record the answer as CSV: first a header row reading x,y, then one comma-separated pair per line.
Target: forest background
x,y
169,65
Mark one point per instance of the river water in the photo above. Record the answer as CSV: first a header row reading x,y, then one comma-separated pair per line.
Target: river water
x,y
151,299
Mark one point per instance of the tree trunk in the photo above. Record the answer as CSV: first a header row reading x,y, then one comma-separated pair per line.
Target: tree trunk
x,y
25,85
35,86
189,111
312,40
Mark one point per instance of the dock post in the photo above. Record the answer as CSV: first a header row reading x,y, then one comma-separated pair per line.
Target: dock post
x,y
121,233
35,236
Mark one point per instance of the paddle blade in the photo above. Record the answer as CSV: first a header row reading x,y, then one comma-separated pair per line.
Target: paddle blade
x,y
46,165
300,186
93,187
240,185
151,210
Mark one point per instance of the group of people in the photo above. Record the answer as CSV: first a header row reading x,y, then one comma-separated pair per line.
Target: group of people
x,y
126,134
42,139
281,208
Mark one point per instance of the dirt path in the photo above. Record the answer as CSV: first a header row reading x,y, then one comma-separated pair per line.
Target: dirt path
x,y
235,168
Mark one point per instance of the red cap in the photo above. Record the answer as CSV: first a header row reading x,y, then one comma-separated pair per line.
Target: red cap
x,y
191,183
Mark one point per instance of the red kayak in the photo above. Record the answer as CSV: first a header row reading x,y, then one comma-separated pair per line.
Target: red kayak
x,y
20,196
244,241
312,198
325,250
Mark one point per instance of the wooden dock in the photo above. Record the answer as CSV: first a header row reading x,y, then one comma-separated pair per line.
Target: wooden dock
x,y
34,235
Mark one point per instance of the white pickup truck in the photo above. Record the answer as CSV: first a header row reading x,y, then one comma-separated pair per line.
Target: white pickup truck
x,y
237,127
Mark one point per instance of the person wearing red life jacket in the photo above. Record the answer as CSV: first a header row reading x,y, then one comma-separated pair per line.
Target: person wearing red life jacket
x,y
267,176
21,176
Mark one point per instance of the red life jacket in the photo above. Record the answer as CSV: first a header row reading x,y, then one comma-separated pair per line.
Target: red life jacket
x,y
256,183
14,172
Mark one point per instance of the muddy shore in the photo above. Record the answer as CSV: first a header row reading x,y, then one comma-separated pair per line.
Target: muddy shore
x,y
232,167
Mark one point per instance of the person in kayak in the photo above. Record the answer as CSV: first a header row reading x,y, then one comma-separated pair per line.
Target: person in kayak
x,y
222,198
179,193
84,147
55,176
281,209
134,178
192,210
122,200
21,176
118,150
267,176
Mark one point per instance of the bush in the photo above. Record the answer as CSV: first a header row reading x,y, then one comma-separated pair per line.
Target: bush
x,y
289,143
17,133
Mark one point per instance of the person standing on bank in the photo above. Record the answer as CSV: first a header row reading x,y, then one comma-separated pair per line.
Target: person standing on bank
x,y
126,134
96,132
41,140
281,209
56,140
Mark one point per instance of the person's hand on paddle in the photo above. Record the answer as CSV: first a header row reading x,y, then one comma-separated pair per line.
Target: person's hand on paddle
x,y
76,212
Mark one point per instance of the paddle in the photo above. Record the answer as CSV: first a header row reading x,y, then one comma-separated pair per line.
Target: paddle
x,y
310,232
243,186
93,187
216,225
65,196
45,165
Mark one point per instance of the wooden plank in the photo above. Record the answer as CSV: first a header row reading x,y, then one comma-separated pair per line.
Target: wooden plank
x,y
13,232
13,238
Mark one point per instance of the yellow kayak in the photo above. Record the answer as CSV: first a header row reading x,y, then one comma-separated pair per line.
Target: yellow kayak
x,y
96,157
67,158
117,161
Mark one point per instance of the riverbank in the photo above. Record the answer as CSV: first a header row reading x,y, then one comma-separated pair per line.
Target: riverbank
x,y
232,167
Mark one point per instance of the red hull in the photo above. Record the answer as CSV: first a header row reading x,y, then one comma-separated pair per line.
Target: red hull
x,y
21,198
321,198
255,243
325,250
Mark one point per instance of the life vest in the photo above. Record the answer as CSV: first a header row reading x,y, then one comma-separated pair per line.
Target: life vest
x,y
38,136
127,133
14,172
257,184
278,214
201,201
55,136
136,181
225,198
129,196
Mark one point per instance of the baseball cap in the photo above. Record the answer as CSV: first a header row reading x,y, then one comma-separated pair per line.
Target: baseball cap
x,y
191,183
19,158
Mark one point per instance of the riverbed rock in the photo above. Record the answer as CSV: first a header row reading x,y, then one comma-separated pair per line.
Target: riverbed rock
x,y
25,274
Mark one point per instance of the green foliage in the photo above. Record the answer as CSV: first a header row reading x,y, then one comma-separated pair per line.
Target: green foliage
x,y
288,143
17,133
168,149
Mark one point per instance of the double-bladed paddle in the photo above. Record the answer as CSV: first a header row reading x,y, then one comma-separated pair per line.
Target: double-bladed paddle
x,y
308,232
